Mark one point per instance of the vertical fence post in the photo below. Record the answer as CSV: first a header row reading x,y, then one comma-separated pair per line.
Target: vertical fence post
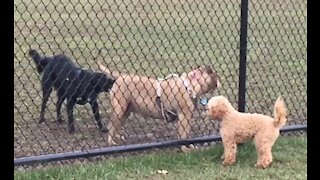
x,y
243,56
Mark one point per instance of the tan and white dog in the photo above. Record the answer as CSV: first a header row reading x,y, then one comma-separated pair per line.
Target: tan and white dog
x,y
171,98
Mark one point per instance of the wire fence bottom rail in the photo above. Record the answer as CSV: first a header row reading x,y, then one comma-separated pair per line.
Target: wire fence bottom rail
x,y
130,148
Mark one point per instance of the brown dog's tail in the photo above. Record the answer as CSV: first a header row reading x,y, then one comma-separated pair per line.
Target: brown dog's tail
x,y
114,74
280,113
103,68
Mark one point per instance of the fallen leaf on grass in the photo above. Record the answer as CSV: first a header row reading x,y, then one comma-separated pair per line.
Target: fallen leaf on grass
x,y
162,172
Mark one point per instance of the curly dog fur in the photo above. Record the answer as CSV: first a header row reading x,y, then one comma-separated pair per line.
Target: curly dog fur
x,y
237,127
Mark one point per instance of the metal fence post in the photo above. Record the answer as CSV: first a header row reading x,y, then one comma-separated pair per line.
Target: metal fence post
x,y
243,56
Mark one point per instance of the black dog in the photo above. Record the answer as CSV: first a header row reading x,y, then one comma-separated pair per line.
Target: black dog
x,y
77,85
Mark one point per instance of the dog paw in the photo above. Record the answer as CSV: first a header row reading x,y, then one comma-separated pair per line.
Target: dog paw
x,y
60,121
104,130
186,149
191,146
41,121
72,130
113,143
261,166
121,137
227,163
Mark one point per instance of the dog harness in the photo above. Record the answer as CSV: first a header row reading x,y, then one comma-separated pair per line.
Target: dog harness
x,y
165,112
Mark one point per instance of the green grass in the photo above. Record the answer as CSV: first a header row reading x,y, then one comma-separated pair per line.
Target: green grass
x,y
290,162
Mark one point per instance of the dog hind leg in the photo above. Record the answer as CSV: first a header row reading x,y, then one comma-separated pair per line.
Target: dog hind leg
x,y
46,91
264,148
70,106
60,100
184,128
264,156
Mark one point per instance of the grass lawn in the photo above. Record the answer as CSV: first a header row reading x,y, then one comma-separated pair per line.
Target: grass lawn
x,y
290,162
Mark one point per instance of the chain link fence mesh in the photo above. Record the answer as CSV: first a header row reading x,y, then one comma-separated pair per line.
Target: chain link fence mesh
x,y
277,57
155,38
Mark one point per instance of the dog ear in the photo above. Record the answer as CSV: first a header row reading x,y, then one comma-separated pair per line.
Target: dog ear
x,y
213,75
209,69
213,112
221,109
195,74
216,112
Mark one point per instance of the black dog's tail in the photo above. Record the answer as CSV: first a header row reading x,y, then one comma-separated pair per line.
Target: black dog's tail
x,y
38,60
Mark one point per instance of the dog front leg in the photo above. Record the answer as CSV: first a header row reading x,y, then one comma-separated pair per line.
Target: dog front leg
x,y
229,152
114,126
95,109
184,129
46,94
70,106
59,105
46,85
119,115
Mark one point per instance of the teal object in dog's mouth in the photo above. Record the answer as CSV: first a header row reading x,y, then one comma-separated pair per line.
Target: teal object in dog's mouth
x,y
204,101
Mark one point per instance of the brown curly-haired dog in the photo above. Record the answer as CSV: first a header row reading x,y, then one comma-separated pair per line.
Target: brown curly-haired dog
x,y
237,127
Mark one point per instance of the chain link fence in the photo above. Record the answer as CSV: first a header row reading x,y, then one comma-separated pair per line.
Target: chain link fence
x,y
155,38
